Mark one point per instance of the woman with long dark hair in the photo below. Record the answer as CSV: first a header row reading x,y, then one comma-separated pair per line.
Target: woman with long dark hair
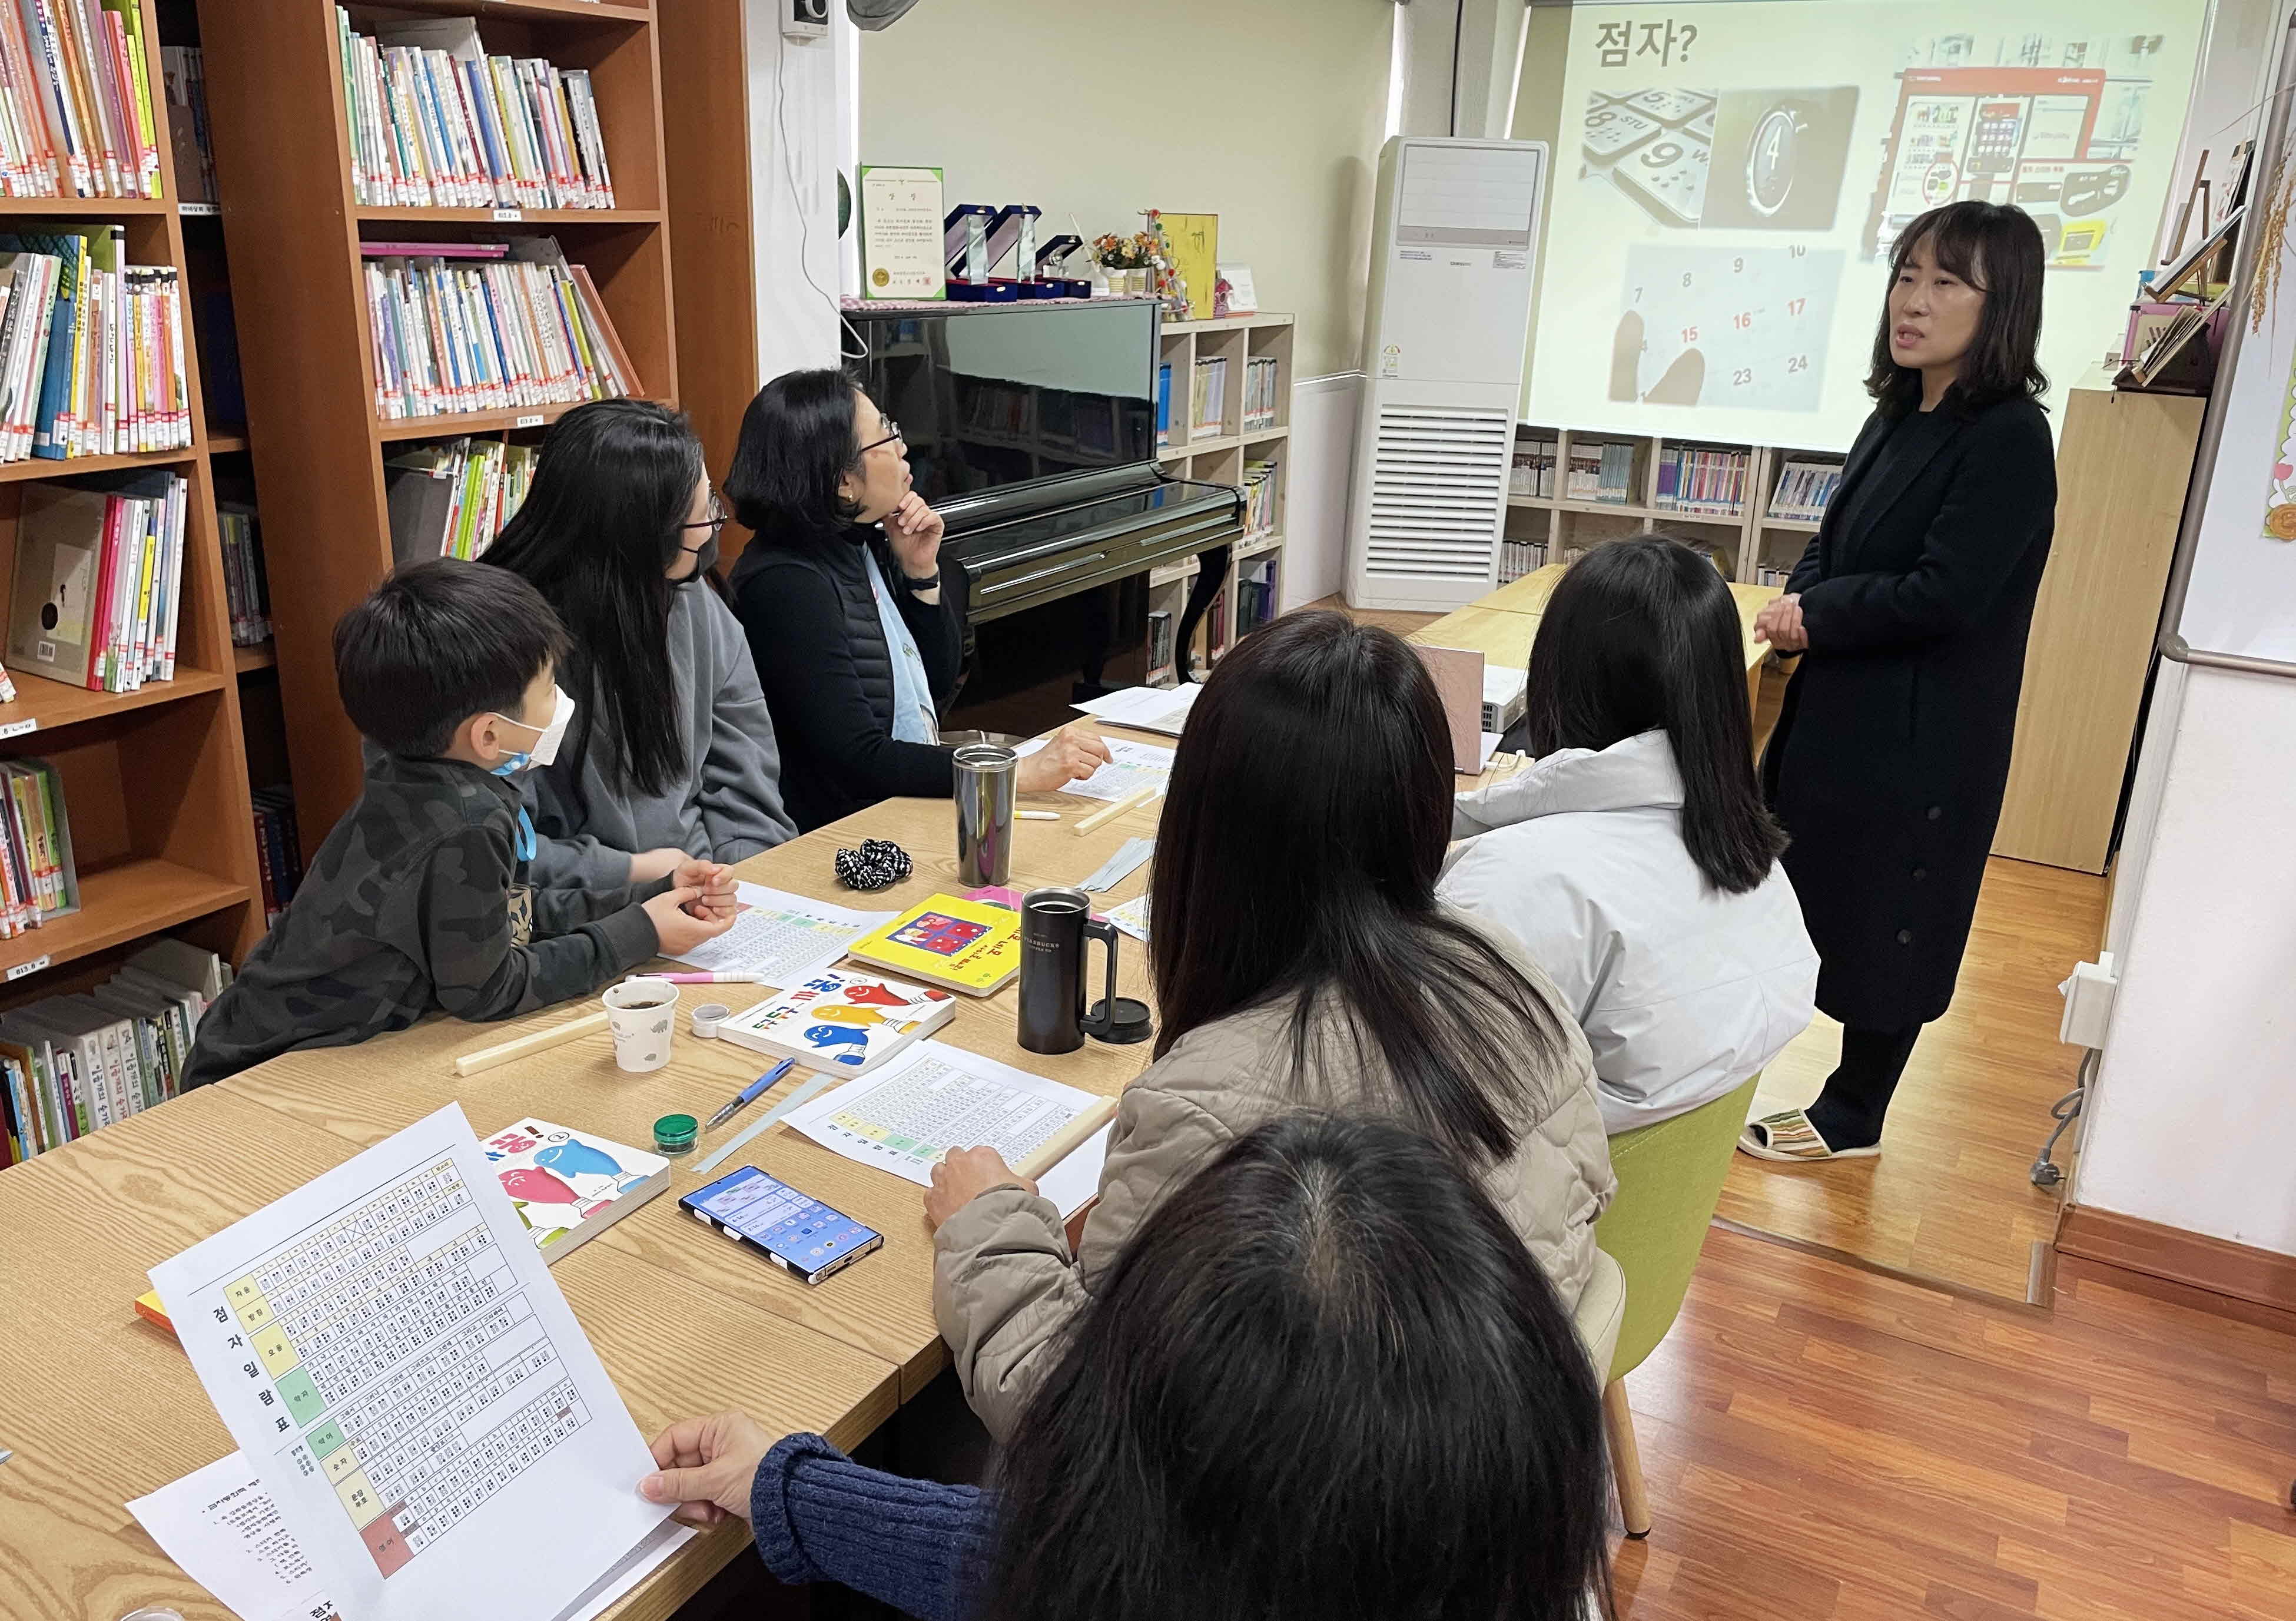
x,y
672,751
1323,1380
1634,859
1302,958
856,620
1910,610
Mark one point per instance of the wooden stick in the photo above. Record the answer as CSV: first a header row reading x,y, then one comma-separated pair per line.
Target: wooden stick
x,y
1056,1148
1132,801
541,1041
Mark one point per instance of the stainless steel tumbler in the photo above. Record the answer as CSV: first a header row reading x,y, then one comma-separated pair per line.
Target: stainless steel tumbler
x,y
985,775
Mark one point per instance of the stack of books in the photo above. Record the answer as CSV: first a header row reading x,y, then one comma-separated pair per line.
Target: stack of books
x,y
451,497
1255,593
1601,472
99,576
278,850
1804,489
184,82
37,878
72,1065
1695,478
244,584
91,348
461,327
76,117
1208,407
1533,473
436,122
1518,558
1259,402
1258,500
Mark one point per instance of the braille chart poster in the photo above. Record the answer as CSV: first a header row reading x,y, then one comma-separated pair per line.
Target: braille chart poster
x,y
386,1345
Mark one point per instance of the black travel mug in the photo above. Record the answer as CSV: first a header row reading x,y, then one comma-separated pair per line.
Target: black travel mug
x,y
1054,924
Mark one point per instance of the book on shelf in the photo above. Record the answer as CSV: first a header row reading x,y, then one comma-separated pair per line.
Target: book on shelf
x,y
1531,474
99,580
1255,593
75,114
278,849
91,348
1602,472
1699,479
69,1064
451,497
245,589
845,1024
1259,487
184,84
461,327
1260,405
7,688
1803,491
1518,558
38,880
1208,407
436,122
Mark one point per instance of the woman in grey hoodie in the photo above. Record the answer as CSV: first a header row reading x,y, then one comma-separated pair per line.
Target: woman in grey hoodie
x,y
672,752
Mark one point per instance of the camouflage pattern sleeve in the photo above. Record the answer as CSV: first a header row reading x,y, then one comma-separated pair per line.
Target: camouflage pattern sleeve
x,y
480,969
562,909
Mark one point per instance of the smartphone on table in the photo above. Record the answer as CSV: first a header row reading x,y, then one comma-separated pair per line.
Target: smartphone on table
x,y
801,1234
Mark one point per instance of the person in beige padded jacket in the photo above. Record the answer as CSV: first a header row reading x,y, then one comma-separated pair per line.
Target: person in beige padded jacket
x,y
1300,959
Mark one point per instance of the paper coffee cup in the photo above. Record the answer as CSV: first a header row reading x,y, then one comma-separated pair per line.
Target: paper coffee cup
x,y
641,1015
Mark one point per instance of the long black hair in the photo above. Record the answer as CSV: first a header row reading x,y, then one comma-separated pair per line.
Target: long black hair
x,y
1995,249
599,527
1324,1379
1297,855
1642,636
797,444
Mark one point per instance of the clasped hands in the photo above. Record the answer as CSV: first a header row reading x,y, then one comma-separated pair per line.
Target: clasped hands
x,y
1779,623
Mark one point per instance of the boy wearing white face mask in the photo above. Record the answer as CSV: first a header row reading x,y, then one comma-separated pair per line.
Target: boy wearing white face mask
x,y
419,898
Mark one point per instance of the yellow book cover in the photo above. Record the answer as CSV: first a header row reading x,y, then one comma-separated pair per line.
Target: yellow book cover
x,y
966,945
1194,240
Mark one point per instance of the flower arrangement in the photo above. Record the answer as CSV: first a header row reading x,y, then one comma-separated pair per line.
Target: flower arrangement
x,y
1133,252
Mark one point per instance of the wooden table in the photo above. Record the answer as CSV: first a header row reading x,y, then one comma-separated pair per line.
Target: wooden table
x,y
1502,624
102,1407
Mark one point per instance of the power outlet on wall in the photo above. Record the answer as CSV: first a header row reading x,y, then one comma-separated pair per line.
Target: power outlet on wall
x,y
804,19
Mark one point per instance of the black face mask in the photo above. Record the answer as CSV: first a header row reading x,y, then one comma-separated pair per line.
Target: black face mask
x,y
705,558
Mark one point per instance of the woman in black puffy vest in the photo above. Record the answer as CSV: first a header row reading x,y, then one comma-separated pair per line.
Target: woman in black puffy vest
x,y
856,621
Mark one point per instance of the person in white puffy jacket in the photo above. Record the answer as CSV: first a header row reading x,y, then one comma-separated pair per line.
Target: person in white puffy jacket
x,y
1634,858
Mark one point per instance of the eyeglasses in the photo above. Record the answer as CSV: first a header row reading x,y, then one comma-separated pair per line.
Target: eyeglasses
x,y
892,432
714,522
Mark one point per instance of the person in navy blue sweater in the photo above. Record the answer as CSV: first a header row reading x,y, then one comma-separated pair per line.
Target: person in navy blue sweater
x,y
1325,1380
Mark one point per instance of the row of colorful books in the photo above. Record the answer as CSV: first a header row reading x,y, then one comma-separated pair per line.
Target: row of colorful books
x,y
72,1065
451,497
436,122
99,580
244,585
76,115
278,850
1697,479
1208,406
1260,404
1804,489
91,349
37,878
461,327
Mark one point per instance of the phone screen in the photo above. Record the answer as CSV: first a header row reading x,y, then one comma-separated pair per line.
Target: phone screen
x,y
804,1232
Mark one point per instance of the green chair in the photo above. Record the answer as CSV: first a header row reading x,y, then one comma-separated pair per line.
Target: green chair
x,y
1670,1177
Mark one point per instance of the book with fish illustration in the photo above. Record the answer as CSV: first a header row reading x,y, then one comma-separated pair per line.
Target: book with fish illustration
x,y
844,1023
568,1186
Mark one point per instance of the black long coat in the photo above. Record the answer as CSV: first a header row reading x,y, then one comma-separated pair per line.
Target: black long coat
x,y
1892,748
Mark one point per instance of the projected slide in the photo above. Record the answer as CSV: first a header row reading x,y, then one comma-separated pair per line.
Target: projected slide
x,y
1732,177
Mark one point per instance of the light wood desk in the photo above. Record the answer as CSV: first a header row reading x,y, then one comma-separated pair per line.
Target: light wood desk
x,y
1502,624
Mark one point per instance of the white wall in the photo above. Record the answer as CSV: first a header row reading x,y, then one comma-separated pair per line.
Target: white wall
x,y
801,91
2191,1120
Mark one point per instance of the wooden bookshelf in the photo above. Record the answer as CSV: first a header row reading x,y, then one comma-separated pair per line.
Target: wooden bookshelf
x,y
154,780
293,227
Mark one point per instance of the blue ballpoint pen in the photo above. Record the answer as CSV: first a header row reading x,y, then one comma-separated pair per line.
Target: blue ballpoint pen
x,y
750,1093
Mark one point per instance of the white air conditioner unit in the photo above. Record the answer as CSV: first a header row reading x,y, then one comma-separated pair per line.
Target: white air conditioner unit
x,y
1455,248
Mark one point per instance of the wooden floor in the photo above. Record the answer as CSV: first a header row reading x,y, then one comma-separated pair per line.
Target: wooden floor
x,y
1821,1442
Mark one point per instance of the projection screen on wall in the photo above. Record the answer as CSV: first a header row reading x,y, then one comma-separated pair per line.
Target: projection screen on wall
x,y
1717,266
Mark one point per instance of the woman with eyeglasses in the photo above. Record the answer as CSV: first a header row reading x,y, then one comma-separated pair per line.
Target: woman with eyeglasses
x,y
855,621
672,751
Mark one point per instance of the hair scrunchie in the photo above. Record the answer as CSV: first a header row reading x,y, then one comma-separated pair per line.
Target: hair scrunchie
x,y
877,864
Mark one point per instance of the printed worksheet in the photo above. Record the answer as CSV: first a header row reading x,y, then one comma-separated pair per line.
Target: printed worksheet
x,y
1148,708
1131,767
782,939
386,1345
935,1098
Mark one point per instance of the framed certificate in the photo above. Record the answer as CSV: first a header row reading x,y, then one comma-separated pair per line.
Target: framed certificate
x,y
901,234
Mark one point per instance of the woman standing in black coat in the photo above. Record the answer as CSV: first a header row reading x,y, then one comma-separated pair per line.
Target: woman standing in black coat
x,y
1911,608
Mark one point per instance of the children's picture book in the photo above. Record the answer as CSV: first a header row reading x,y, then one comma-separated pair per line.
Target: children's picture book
x,y
964,945
846,1023
569,1187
